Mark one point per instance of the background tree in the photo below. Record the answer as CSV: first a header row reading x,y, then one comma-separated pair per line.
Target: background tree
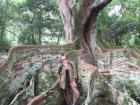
x,y
5,15
41,18
119,24
30,21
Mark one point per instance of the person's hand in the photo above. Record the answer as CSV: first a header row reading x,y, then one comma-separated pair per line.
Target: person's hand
x,y
73,84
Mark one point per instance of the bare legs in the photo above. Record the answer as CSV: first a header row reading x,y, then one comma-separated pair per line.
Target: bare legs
x,y
76,95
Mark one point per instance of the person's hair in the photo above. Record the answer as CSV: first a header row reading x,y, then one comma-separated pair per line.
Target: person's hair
x,y
61,56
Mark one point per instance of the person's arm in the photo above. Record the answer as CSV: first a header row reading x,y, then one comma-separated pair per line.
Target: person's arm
x,y
59,70
74,75
74,71
60,67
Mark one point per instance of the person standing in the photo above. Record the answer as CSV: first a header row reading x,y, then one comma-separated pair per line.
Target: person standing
x,y
68,76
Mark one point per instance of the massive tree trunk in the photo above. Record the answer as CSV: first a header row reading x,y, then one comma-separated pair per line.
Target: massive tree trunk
x,y
79,21
66,7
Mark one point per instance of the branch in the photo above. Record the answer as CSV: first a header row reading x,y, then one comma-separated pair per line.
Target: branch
x,y
100,5
42,96
93,8
12,33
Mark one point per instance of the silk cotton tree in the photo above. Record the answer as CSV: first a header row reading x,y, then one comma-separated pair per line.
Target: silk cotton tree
x,y
79,19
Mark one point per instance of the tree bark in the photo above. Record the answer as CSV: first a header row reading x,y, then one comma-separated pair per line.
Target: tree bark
x,y
32,37
86,18
66,7
39,35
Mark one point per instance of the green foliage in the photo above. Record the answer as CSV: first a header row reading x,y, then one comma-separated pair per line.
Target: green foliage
x,y
4,45
120,26
30,21
41,18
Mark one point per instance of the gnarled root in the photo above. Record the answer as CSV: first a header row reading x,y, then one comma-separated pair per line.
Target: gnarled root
x,y
38,99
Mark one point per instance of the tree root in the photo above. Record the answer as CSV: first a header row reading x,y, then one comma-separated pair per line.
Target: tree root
x,y
38,99
23,91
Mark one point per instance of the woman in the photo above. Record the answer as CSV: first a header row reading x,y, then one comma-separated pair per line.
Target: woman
x,y
68,75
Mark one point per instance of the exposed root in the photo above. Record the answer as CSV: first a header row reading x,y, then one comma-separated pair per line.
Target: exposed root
x,y
38,99
29,88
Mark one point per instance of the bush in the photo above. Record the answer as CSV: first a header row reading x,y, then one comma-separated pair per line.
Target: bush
x,y
4,45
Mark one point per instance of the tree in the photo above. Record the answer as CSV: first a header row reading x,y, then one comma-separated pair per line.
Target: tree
x,y
79,19
117,28
31,20
3,16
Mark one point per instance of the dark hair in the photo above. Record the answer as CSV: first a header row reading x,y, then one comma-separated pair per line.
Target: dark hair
x,y
61,56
